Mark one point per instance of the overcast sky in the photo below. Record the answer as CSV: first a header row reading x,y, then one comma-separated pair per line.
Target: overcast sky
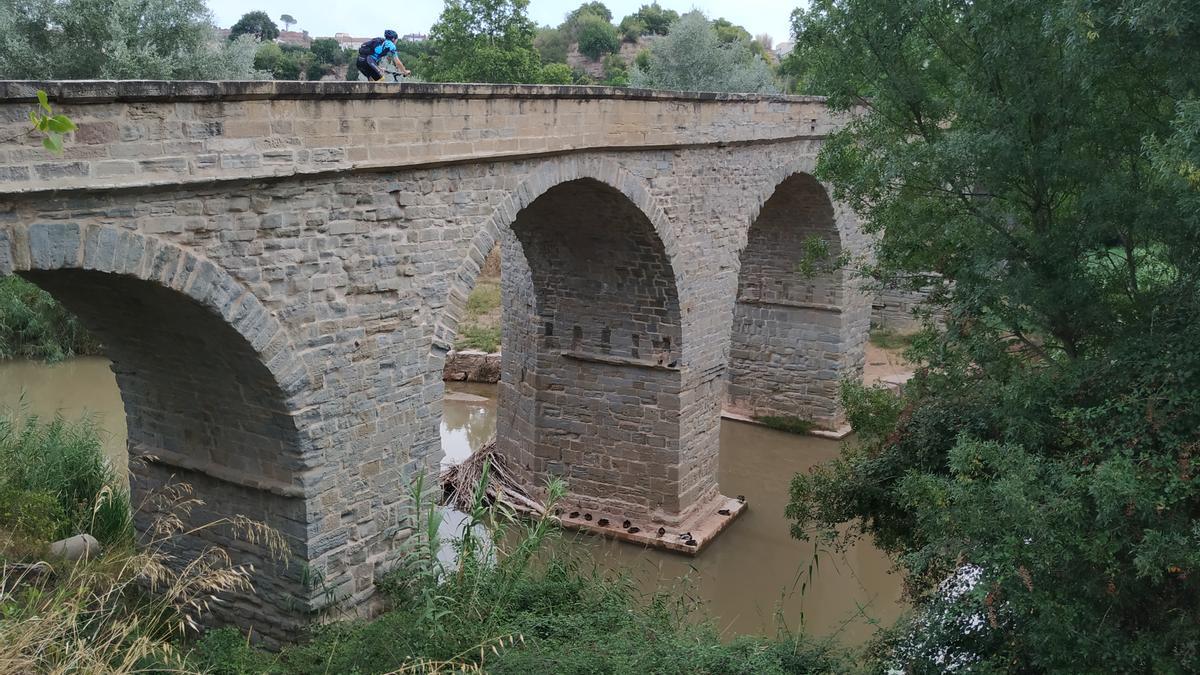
x,y
324,18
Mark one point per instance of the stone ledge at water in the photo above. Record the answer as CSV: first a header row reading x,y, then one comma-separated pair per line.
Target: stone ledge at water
x,y
470,365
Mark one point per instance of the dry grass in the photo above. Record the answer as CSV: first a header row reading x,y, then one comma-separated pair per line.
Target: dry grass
x,y
119,612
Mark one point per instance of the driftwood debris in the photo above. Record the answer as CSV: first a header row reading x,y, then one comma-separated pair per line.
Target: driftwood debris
x,y
460,482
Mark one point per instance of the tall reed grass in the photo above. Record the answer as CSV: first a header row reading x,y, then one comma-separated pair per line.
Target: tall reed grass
x,y
512,602
55,481
33,325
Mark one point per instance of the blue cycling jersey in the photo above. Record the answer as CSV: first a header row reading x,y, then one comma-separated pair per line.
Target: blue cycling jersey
x,y
383,49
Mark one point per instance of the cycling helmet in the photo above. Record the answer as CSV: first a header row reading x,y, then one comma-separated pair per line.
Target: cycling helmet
x,y
390,35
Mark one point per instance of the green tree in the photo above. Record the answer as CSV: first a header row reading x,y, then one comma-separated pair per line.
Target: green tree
x,y
729,32
117,39
268,57
1034,162
483,41
596,36
632,28
288,21
650,19
594,8
256,24
616,71
327,50
692,57
552,45
556,73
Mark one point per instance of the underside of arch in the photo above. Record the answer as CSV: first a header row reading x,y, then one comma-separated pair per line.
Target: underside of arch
x,y
788,345
203,408
591,386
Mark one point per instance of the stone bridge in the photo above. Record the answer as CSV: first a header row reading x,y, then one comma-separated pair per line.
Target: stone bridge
x,y
277,269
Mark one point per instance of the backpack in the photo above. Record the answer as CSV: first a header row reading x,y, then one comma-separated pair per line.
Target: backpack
x,y
368,47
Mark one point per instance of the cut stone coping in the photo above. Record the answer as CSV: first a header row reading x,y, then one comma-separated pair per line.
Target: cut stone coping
x,y
223,474
832,434
618,360
704,525
103,91
816,306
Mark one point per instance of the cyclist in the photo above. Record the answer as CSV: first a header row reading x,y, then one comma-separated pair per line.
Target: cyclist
x,y
375,49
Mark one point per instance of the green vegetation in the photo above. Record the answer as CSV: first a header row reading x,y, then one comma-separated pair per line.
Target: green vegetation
x,y
596,37
95,616
152,39
790,424
483,338
650,19
480,328
694,56
482,41
55,482
256,24
34,326
891,339
518,610
1036,163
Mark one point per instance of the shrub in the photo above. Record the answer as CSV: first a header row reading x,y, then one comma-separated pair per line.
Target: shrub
x,y
55,481
33,325
96,615
596,37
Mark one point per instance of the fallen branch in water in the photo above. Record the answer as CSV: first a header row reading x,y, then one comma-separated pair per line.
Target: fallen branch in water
x,y
459,483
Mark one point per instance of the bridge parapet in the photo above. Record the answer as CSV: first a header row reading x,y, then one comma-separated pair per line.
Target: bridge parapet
x,y
150,133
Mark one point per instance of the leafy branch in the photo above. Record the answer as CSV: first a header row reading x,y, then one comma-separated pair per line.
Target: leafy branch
x,y
53,126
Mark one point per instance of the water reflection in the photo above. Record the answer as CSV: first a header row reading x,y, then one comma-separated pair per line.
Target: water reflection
x,y
75,388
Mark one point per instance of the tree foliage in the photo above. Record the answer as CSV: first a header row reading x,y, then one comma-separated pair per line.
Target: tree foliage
x,y
1035,163
552,45
483,41
593,8
596,36
287,20
117,39
327,50
650,19
692,57
256,24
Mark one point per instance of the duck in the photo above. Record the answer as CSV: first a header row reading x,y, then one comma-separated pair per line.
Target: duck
x,y
723,512
626,524
633,530
662,531
603,522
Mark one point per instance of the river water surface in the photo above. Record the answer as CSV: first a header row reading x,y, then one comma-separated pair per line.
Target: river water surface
x,y
750,579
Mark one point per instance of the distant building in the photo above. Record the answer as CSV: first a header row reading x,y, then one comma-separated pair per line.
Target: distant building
x,y
347,41
292,37
415,37
784,48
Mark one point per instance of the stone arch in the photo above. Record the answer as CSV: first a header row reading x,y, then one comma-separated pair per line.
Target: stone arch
x,y
210,383
546,176
593,336
795,336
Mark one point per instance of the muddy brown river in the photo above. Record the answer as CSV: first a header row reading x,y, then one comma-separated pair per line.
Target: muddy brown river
x,y
752,579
